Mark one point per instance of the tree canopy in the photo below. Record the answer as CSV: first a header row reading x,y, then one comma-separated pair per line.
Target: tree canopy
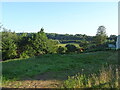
x,y
101,35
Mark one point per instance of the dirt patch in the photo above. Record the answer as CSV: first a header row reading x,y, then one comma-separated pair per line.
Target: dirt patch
x,y
34,84
45,80
45,76
48,76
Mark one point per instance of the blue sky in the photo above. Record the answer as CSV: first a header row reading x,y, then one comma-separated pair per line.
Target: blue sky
x,y
60,17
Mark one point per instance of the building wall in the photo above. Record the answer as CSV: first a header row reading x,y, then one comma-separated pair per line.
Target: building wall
x,y
118,42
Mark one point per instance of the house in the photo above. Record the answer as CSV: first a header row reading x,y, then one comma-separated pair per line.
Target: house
x,y
118,42
111,46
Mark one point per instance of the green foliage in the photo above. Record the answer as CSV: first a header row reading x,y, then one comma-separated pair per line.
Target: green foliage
x,y
51,46
84,44
21,45
9,47
26,45
56,36
113,38
70,48
41,44
61,50
101,36
28,52
106,78
24,54
38,42
9,52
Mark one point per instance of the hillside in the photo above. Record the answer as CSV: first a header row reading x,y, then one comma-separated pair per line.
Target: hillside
x,y
52,69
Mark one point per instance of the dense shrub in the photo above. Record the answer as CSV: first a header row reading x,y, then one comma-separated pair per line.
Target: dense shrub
x,y
26,45
70,48
101,47
28,52
61,50
51,46
94,47
84,44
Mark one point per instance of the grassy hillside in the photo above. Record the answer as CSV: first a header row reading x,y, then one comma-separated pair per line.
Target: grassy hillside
x,y
54,67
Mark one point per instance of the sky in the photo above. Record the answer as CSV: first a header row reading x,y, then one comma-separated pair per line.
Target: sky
x,y
61,17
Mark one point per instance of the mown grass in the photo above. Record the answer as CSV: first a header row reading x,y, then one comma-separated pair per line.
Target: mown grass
x,y
63,45
61,66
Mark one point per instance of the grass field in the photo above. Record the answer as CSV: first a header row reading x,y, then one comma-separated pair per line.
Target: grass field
x,y
63,45
52,70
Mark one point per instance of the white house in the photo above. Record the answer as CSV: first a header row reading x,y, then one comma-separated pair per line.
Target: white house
x,y
111,46
118,42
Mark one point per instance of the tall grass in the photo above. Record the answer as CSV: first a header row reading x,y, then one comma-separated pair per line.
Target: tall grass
x,y
108,77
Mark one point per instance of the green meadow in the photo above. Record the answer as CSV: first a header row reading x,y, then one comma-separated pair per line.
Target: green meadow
x,y
57,69
63,45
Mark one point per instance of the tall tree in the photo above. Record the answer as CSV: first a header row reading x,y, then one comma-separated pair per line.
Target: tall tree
x,y
9,47
101,36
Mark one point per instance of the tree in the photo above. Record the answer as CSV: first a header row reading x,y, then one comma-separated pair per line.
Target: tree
x,y
84,44
101,36
9,47
51,46
35,44
113,37
42,30
41,44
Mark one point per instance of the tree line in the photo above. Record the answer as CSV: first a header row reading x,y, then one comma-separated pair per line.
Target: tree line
x,y
25,45
78,38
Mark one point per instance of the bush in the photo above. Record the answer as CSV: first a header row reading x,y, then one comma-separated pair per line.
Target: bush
x,y
71,48
28,52
84,44
94,47
61,50
51,46
24,55
101,47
